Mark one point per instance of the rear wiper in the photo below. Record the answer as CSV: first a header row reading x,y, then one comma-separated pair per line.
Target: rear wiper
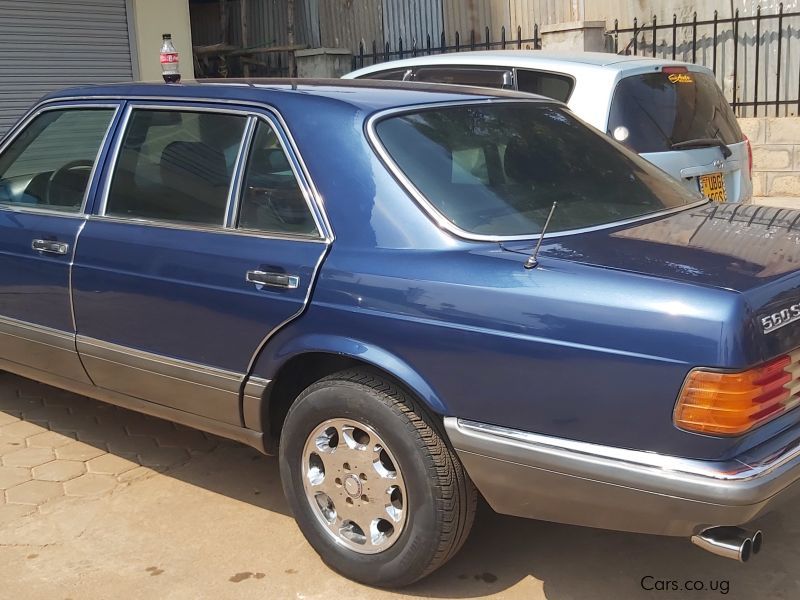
x,y
704,143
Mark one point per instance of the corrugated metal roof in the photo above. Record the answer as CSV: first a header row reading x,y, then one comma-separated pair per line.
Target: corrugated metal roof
x,y
345,23
412,20
266,23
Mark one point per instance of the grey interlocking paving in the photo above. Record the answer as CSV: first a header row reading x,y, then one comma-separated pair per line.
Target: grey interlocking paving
x,y
55,444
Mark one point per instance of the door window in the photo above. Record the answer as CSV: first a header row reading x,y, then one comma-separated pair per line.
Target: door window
x,y
176,166
49,164
272,200
477,76
390,75
551,85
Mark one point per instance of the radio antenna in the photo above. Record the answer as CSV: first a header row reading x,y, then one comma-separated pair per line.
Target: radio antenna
x,y
533,259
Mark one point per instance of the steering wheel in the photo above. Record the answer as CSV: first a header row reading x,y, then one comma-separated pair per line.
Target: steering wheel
x,y
55,177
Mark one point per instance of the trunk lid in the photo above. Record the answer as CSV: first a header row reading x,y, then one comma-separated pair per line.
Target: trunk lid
x,y
747,249
689,166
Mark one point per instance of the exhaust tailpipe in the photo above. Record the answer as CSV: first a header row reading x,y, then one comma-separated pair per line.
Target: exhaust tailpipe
x,y
730,542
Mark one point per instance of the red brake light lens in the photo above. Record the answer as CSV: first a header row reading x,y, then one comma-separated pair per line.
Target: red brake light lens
x,y
669,70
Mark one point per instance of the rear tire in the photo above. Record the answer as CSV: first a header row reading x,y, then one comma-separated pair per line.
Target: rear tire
x,y
371,482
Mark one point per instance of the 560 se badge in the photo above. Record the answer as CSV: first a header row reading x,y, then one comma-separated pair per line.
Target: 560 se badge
x,y
779,319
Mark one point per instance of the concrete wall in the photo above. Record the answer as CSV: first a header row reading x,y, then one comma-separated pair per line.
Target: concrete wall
x,y
152,18
576,36
776,154
323,62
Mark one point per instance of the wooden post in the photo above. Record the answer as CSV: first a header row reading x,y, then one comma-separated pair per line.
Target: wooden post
x,y
223,36
290,36
223,22
243,12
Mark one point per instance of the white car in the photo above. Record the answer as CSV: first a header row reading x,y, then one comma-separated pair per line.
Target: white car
x,y
673,114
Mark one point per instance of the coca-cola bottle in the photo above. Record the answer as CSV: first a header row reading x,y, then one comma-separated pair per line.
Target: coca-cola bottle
x,y
169,60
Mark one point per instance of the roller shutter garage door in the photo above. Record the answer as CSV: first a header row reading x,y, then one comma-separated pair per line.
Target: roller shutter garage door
x,y
47,45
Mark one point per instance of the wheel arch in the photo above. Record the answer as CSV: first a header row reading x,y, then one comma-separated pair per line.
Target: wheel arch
x,y
306,360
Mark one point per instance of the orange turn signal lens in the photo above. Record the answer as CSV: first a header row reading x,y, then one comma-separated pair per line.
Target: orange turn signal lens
x,y
733,403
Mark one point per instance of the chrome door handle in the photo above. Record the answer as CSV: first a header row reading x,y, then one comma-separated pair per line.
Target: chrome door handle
x,y
50,247
280,280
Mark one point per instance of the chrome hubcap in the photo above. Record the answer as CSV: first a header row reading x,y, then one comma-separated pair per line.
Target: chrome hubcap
x,y
354,486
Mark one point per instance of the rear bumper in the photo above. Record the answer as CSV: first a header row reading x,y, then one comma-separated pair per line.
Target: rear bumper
x,y
552,479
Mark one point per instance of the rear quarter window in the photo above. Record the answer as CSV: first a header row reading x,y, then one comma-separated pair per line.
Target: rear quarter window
x,y
652,111
495,169
390,75
551,85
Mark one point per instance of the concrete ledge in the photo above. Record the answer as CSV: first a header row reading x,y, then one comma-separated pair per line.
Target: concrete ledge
x,y
783,130
779,201
776,155
321,51
784,184
773,158
755,128
574,36
323,62
572,26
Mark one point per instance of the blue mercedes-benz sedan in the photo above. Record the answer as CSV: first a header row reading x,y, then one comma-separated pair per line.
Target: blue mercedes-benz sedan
x,y
414,295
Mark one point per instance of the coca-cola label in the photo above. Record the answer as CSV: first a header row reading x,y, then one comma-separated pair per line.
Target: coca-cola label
x,y
169,57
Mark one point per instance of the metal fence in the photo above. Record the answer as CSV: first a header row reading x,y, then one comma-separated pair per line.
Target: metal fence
x,y
756,58
375,55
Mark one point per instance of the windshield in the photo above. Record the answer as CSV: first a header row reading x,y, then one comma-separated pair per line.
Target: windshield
x,y
653,111
496,169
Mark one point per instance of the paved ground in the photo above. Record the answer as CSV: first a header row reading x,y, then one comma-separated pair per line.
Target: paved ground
x,y
99,503
780,201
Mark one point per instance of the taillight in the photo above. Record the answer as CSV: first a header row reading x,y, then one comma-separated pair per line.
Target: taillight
x,y
669,70
734,403
749,155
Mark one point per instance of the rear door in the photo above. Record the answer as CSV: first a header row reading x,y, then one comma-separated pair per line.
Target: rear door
x,y
46,179
206,240
673,118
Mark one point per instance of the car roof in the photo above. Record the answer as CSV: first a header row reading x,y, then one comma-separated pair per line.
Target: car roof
x,y
554,61
364,95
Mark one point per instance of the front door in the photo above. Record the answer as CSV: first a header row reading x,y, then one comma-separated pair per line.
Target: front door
x,y
46,169
206,241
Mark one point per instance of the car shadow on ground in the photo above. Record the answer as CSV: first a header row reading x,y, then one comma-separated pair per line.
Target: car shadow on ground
x,y
119,446
567,562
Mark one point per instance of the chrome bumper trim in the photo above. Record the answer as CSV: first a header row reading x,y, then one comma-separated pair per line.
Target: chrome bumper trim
x,y
734,470
553,479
